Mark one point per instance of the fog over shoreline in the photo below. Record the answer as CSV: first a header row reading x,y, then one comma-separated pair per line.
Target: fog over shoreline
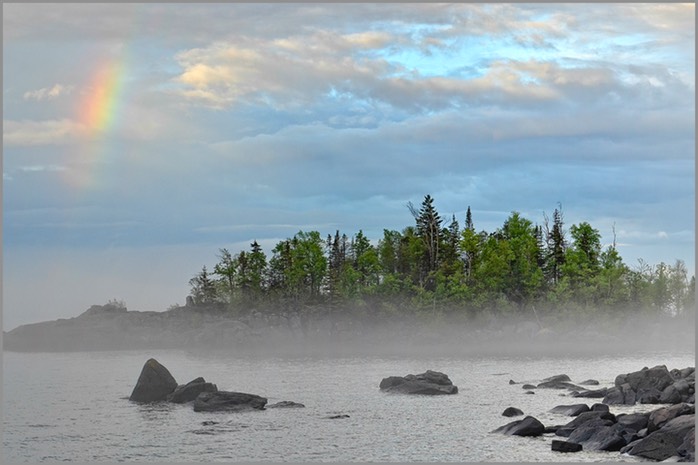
x,y
283,333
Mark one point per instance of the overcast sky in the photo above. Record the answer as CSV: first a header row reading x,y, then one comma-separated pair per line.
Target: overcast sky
x,y
141,138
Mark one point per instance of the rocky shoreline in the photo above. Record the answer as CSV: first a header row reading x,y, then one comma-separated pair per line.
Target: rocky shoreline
x,y
664,434
106,327
667,433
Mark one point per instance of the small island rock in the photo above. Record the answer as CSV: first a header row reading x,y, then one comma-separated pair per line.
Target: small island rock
x,y
154,384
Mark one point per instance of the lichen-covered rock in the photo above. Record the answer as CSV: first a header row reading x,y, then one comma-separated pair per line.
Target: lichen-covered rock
x,y
154,384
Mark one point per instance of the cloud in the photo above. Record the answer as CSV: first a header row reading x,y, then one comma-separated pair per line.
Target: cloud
x,y
49,132
47,93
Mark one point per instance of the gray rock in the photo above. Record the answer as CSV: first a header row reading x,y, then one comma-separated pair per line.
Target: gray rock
x,y
560,385
592,393
587,419
687,449
286,404
529,426
427,383
154,383
190,391
622,394
528,386
600,408
571,410
228,402
658,378
608,438
661,416
665,442
556,378
634,421
565,446
590,382
512,412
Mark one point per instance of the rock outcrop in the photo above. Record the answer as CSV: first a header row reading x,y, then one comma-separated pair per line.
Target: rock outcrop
x,y
190,391
154,384
225,401
427,383
653,386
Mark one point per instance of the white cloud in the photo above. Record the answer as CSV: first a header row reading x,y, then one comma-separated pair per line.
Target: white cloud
x,y
48,93
49,132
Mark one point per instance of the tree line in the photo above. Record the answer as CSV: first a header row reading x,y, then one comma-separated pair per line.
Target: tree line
x,y
436,266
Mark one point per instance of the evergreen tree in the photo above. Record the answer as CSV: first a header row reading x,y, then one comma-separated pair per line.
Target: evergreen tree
x,y
203,289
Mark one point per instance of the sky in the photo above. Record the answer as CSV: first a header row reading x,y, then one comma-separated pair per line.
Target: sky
x,y
139,139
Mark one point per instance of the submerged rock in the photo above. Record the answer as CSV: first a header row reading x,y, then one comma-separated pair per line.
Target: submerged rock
x,y
427,383
228,402
154,384
286,404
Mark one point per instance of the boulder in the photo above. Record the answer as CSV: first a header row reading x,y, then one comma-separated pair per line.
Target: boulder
x,y
622,394
600,408
560,385
556,378
608,438
226,401
190,391
647,378
587,419
529,426
427,383
565,446
154,384
528,386
570,410
592,393
512,412
687,449
633,421
665,442
671,395
661,416
286,404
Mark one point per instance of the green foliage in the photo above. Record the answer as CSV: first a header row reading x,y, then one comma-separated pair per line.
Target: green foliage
x,y
430,271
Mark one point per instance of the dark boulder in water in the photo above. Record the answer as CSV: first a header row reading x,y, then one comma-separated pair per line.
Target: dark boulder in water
x,y
427,383
565,446
512,412
225,401
154,384
190,391
529,426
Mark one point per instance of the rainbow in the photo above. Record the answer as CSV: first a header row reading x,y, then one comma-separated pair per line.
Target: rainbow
x,y
98,109
97,115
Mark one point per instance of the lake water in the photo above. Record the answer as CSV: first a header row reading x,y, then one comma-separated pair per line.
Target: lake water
x,y
74,406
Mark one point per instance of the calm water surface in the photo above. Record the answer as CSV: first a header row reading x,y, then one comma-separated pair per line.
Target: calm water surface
x,y
74,406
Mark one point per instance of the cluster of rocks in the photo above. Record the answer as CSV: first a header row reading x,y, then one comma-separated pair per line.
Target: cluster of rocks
x,y
665,433
156,383
428,383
